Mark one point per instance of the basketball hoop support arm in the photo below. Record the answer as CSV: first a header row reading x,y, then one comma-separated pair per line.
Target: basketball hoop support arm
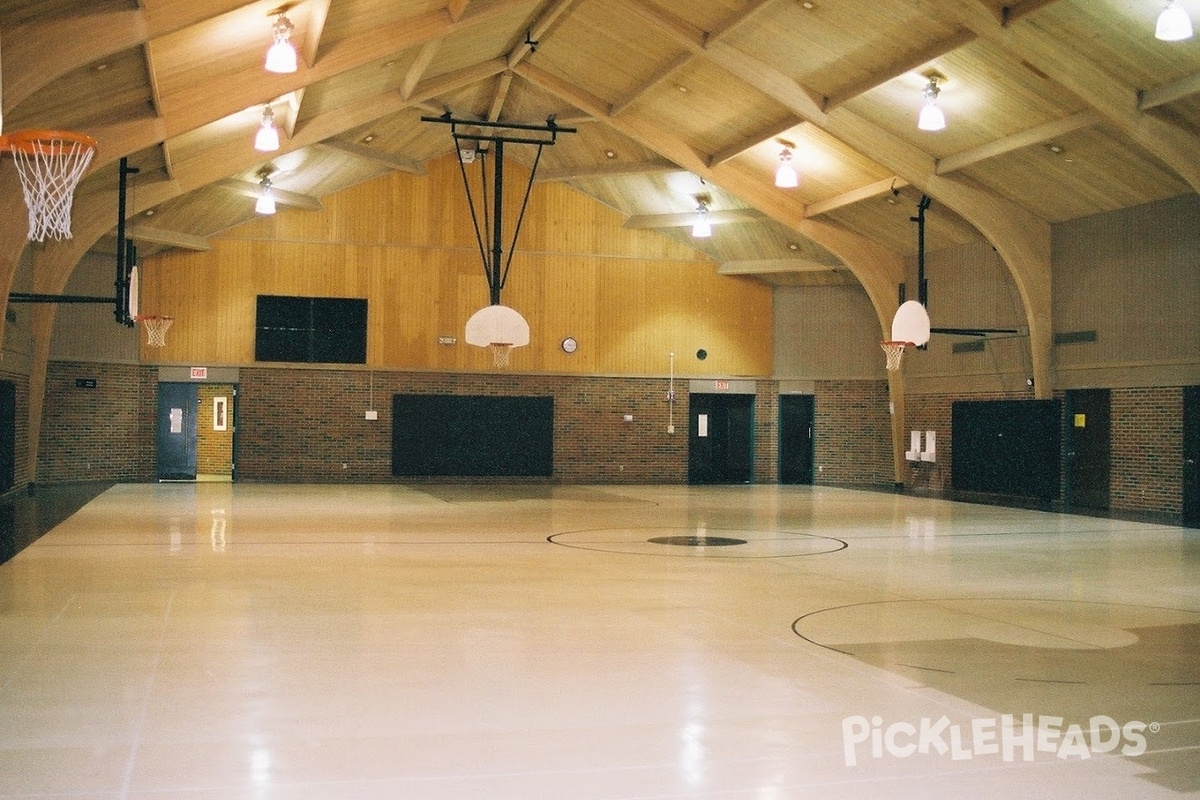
x,y
126,257
923,284
494,265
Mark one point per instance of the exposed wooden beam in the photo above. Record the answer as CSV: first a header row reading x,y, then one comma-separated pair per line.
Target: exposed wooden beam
x,y
801,100
684,33
186,241
1022,239
748,11
1011,13
500,97
293,101
1168,92
538,30
753,140
1073,69
168,162
855,196
318,13
606,170
371,154
772,265
654,221
417,71
456,8
667,70
572,122
29,64
906,63
201,103
585,101
282,196
1017,141
152,75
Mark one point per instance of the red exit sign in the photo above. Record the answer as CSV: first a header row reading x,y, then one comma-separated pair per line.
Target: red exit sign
x,y
722,386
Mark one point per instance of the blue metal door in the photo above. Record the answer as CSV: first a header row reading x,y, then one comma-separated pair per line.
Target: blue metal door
x,y
177,406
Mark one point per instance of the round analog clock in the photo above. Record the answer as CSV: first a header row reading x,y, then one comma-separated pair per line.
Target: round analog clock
x,y
569,345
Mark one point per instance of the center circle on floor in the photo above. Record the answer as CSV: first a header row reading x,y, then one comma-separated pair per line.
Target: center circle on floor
x,y
697,541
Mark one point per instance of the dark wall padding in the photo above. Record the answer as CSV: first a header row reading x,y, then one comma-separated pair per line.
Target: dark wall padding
x,y
1007,447
438,435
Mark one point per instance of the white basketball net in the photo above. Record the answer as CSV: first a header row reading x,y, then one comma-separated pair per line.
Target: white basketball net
x,y
500,353
156,330
895,354
50,170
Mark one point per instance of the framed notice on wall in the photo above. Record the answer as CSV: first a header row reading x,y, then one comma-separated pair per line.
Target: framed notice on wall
x,y
220,410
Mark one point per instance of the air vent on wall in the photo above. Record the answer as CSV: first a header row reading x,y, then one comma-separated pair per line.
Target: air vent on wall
x,y
976,346
1074,337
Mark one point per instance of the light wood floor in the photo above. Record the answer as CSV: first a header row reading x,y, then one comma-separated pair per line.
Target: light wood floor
x,y
236,641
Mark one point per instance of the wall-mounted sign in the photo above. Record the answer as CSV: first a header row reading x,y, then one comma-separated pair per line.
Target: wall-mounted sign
x,y
85,383
199,373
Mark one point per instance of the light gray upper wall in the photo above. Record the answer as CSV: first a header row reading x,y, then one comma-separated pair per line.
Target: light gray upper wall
x,y
826,332
18,329
90,332
1133,277
969,287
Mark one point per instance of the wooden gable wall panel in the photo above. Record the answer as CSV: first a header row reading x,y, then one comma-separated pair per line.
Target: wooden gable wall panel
x,y
407,244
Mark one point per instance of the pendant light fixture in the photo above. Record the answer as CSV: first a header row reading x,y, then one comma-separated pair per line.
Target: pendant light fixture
x,y
701,228
931,117
281,56
1174,24
785,174
266,140
266,199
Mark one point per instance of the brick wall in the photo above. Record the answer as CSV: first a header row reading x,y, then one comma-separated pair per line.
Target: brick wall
x,y
105,433
1147,449
932,412
853,438
309,425
1146,445
766,432
302,425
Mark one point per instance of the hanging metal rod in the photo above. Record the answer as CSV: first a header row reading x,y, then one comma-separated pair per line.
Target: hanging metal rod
x,y
32,297
550,127
491,226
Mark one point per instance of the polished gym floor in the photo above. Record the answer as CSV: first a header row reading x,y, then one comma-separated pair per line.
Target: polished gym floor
x,y
237,641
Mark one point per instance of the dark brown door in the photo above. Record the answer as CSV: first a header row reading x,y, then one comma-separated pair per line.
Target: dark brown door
x,y
8,434
1089,458
1191,456
796,413
721,438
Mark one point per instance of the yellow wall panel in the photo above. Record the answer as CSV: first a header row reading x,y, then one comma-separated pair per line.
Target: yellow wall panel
x,y
407,244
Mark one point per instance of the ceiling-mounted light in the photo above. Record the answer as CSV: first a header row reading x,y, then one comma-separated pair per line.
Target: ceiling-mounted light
x,y
1174,24
701,228
785,173
931,118
266,139
266,198
281,56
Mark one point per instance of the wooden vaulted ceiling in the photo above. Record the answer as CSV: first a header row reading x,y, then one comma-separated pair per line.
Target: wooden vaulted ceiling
x,y
1057,109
